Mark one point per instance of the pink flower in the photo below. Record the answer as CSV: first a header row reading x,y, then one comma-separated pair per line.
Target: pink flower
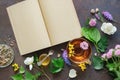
x,y
110,53
104,56
84,45
92,22
117,46
117,52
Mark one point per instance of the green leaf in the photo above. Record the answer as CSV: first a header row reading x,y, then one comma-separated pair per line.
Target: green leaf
x,y
37,75
117,79
28,76
22,70
94,34
87,22
91,34
98,63
110,66
17,77
56,65
85,32
58,62
36,59
102,44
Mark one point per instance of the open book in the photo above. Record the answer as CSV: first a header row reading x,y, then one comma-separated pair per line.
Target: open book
x,y
38,24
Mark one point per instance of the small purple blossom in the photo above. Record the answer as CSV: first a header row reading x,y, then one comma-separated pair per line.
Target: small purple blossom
x,y
97,16
104,56
117,52
107,15
84,45
65,58
92,22
110,53
117,46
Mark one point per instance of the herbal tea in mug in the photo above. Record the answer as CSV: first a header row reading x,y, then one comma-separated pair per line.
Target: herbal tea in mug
x,y
79,51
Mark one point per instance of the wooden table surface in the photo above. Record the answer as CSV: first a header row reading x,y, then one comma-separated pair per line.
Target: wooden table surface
x,y
83,11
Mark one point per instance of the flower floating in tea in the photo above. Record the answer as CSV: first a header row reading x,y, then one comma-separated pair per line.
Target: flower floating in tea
x,y
84,45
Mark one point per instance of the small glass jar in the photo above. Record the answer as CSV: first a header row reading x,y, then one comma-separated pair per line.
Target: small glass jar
x,y
46,61
6,55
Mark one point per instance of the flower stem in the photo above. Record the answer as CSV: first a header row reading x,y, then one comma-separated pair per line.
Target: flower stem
x,y
42,70
96,48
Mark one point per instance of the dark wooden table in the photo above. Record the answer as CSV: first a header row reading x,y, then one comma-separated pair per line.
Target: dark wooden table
x,y
83,11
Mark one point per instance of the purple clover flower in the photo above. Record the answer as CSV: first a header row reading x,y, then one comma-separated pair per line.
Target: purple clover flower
x,y
117,52
65,58
117,46
110,53
104,56
107,15
97,16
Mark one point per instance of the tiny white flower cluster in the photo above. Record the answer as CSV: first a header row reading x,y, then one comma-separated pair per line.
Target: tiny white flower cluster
x,y
108,28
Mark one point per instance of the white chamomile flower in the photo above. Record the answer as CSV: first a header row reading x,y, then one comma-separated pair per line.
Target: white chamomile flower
x,y
29,61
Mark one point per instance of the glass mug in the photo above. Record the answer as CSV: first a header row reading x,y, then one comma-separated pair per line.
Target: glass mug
x,y
78,55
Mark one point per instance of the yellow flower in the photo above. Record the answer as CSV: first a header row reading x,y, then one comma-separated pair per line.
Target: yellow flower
x,y
82,66
15,67
71,46
71,52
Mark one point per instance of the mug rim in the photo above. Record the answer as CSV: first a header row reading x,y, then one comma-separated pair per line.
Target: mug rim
x,y
78,62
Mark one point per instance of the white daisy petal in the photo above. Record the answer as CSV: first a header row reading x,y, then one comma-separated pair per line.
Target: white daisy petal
x,y
30,67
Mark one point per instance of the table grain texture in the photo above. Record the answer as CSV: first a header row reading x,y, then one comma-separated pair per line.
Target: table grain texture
x,y
83,8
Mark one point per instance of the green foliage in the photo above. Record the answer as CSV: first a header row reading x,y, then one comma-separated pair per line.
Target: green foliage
x,y
29,76
87,22
22,69
91,34
102,44
98,63
25,75
115,69
17,77
56,65
36,59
